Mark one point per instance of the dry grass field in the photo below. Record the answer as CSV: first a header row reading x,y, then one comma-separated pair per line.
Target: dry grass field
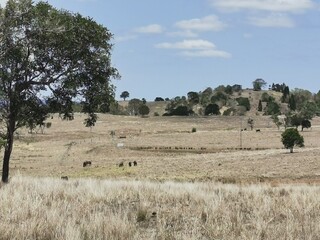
x,y
166,149
215,183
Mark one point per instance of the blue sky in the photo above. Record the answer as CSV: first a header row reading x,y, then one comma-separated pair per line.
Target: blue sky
x,y
167,48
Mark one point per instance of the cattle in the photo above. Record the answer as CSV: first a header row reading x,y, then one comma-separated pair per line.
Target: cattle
x,y
87,163
258,130
121,164
135,163
130,164
65,178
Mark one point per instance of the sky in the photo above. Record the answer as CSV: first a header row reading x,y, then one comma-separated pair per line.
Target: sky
x,y
167,48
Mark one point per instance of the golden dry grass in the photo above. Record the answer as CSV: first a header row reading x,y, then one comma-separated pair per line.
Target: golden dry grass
x,y
44,208
165,149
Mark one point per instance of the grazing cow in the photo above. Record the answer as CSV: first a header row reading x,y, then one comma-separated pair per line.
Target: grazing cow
x,y
121,164
130,164
135,163
87,163
258,130
65,178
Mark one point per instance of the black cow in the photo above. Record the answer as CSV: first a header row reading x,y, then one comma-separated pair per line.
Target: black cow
x,y
87,163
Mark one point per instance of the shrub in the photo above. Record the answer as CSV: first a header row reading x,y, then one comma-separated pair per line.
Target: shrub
x,y
194,130
242,101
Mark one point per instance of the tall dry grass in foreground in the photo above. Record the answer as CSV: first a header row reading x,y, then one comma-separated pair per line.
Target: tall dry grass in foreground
x,y
43,208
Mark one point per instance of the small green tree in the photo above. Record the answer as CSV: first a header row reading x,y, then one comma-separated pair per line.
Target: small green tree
x,y
144,110
305,124
124,95
291,138
212,109
258,84
260,106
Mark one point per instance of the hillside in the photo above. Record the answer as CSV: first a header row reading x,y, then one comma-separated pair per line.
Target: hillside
x,y
253,96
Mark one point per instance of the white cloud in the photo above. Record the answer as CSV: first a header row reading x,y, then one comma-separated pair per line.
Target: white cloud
x,y
195,48
273,20
207,53
152,28
264,5
188,44
206,24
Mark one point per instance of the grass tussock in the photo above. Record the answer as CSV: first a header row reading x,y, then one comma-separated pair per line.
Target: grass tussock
x,y
44,208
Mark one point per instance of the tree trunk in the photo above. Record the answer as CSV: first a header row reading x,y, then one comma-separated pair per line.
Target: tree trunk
x,y
291,150
8,150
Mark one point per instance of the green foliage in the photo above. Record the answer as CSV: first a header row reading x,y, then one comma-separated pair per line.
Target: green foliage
x,y
291,138
205,96
305,124
181,111
144,110
258,84
124,95
244,102
193,98
272,108
260,106
292,103
133,106
212,109
194,130
301,97
219,97
45,49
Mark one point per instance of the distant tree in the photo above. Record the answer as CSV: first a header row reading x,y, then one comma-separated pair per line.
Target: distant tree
x,y
144,101
193,98
292,102
124,95
285,94
237,88
212,109
144,110
159,99
258,84
272,108
295,120
181,111
260,106
308,110
167,99
228,90
244,102
305,124
205,96
291,138
133,106
301,97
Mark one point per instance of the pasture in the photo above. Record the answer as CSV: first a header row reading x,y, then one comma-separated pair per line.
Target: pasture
x,y
166,149
215,183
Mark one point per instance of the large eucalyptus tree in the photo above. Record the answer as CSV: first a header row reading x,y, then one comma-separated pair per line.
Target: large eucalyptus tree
x,y
53,53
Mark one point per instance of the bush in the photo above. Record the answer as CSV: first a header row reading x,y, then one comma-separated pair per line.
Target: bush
x,y
212,109
159,99
194,130
242,101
